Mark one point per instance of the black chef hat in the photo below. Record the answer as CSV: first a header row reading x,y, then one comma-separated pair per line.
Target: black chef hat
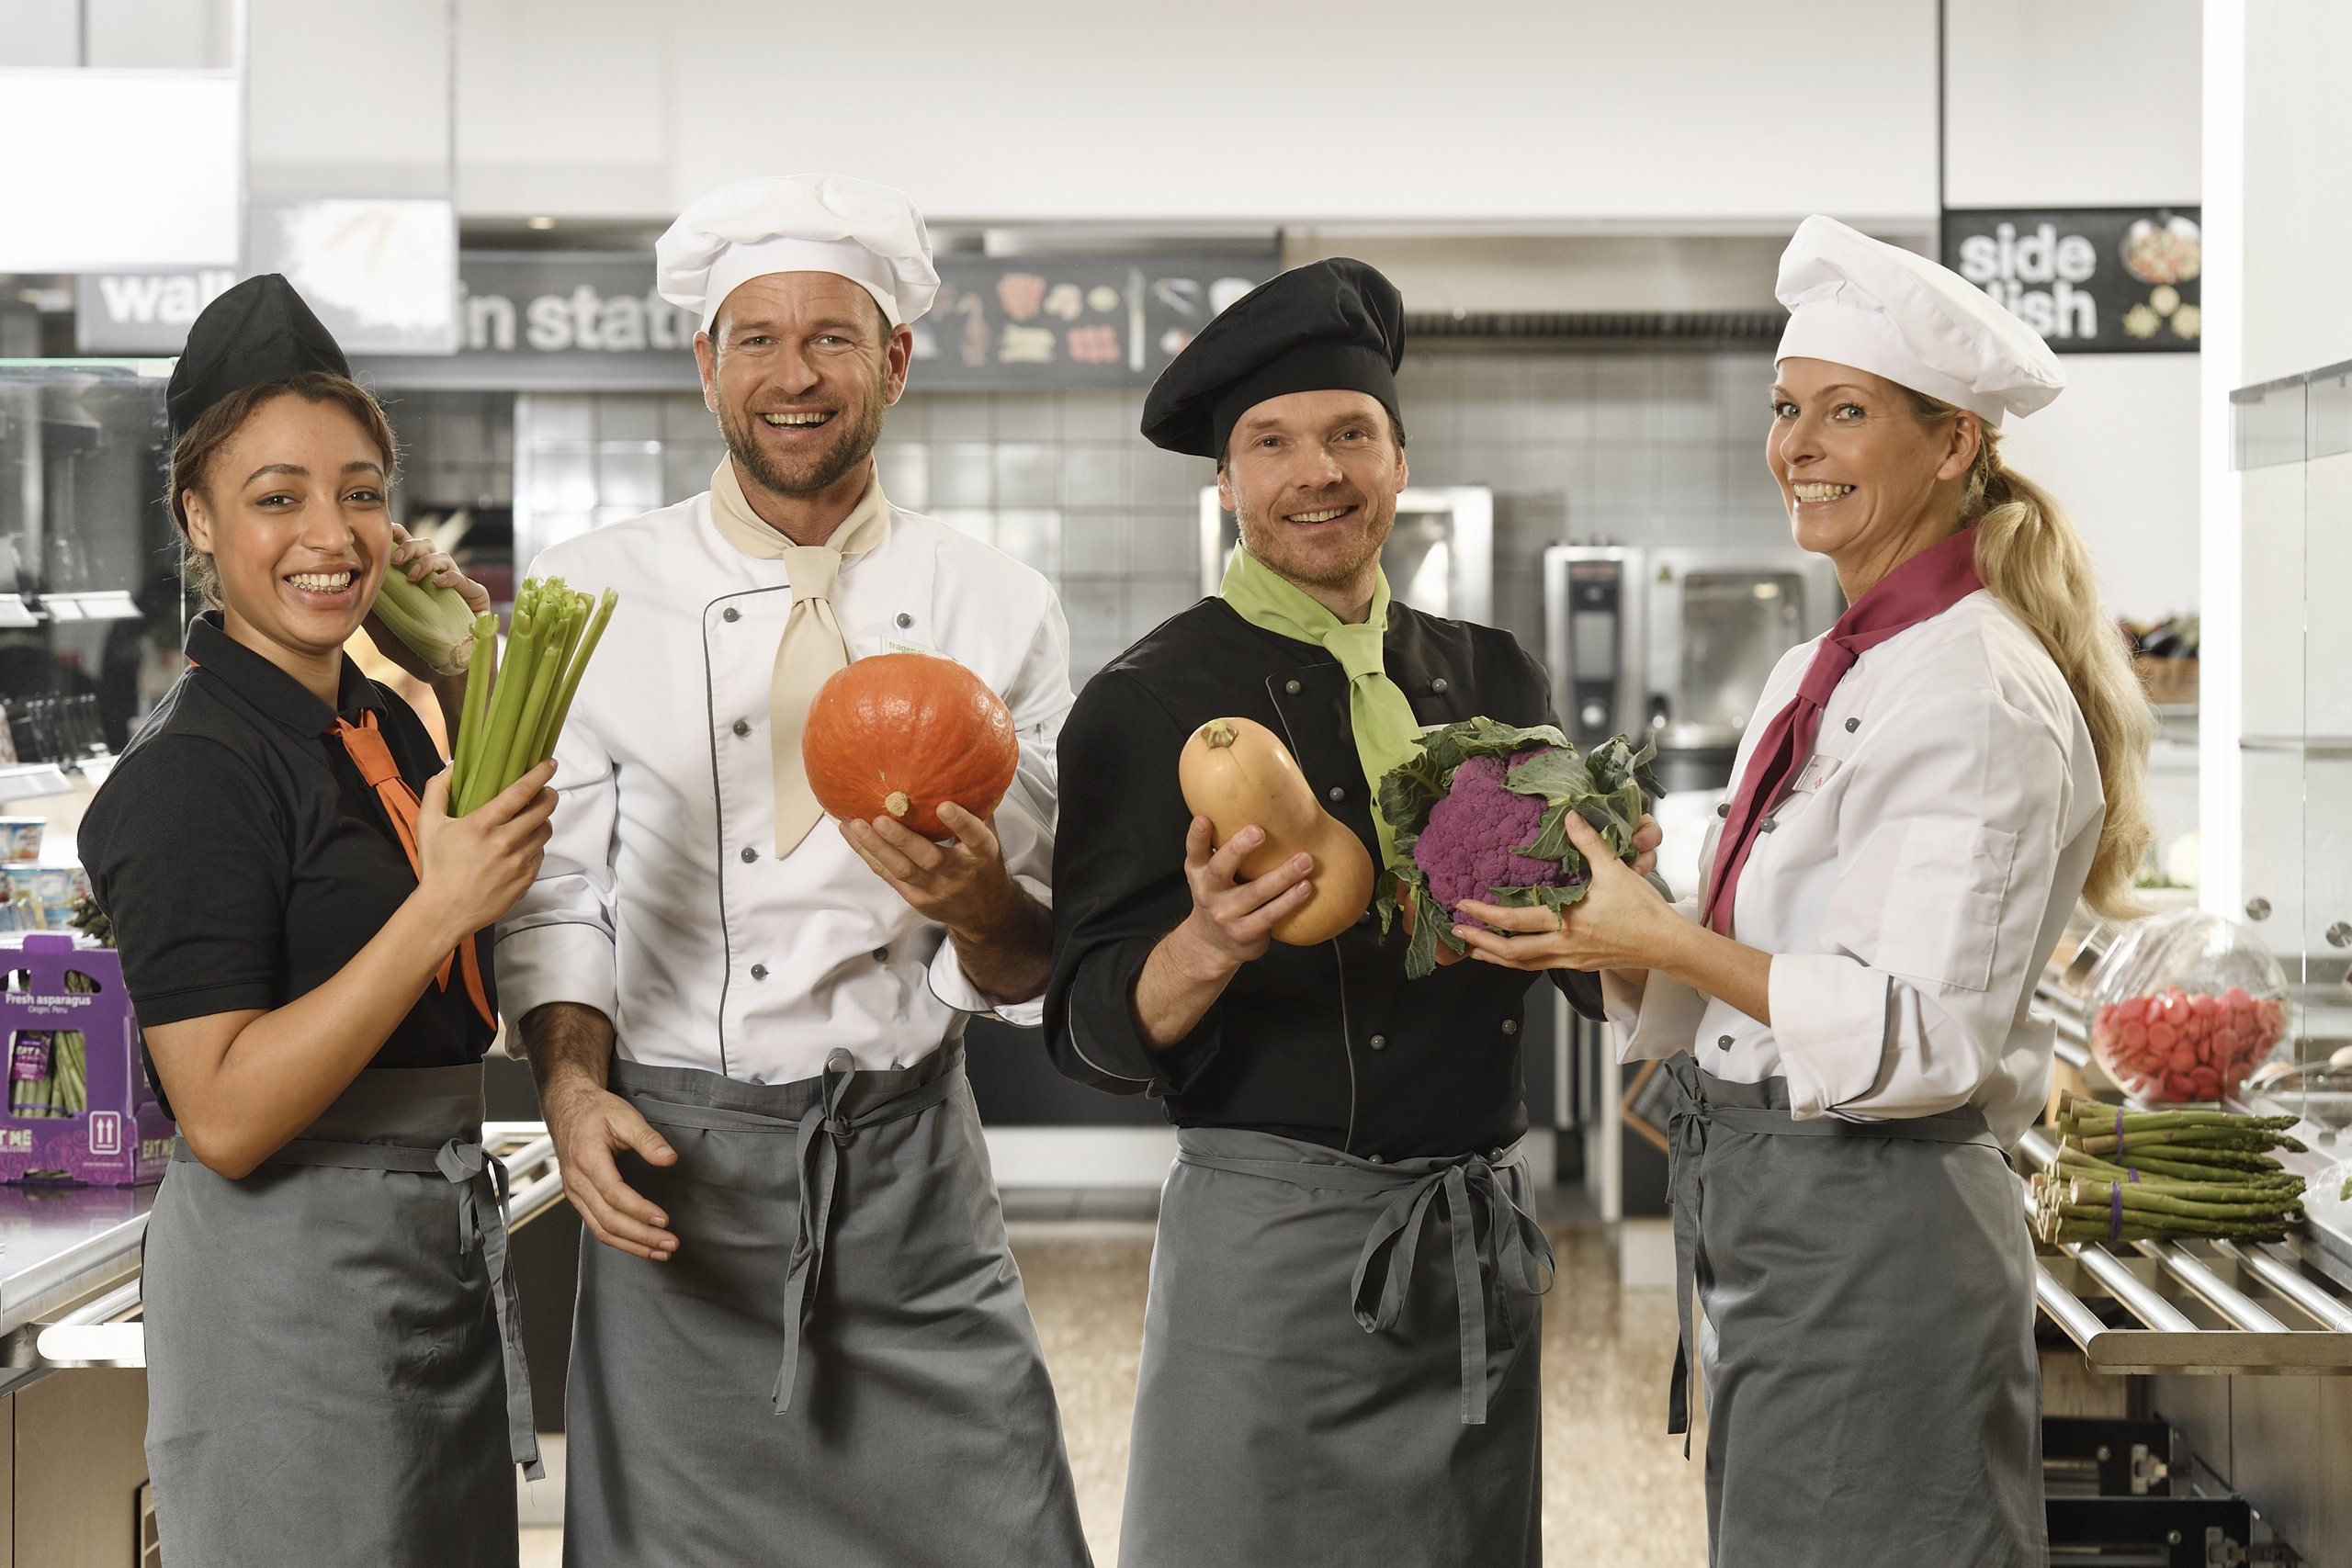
x,y
1329,325
258,332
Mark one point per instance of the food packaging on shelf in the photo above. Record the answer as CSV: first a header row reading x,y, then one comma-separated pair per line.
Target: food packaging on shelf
x,y
80,1109
2186,1005
20,839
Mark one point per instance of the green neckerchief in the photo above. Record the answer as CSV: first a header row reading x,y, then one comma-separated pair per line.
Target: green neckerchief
x,y
1377,710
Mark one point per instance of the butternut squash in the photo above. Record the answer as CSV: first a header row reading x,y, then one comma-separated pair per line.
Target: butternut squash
x,y
1235,772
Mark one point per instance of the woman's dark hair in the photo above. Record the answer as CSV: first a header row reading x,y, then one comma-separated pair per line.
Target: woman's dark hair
x,y
218,426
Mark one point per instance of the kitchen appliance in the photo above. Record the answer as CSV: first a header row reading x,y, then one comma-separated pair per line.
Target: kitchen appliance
x,y
1677,644
1441,558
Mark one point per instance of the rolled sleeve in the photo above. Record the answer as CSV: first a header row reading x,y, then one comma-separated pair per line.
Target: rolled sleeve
x,y
562,960
953,987
1658,1017
1829,1022
1098,1041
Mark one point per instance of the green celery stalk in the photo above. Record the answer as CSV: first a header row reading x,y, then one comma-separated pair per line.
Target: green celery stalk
x,y
587,649
466,746
506,704
517,758
575,627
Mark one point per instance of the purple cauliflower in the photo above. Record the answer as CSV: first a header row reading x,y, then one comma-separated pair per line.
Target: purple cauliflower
x,y
1465,849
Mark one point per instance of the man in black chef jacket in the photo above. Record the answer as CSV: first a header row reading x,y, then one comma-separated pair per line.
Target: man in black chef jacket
x,y
1341,1341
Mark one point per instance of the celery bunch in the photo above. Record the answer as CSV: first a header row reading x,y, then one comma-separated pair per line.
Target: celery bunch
x,y
432,620
515,706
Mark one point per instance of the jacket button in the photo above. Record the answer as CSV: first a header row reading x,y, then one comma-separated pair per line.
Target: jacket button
x,y
1291,686
730,613
1373,1159
905,620
881,955
1378,1042
1511,1026
759,970
1338,792
1852,725
742,727
1724,809
750,854
1439,685
1725,1042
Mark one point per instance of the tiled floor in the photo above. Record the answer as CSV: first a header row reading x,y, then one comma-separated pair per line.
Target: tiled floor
x,y
1617,1493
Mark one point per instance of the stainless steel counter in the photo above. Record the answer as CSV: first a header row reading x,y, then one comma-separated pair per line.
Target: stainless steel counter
x,y
69,1260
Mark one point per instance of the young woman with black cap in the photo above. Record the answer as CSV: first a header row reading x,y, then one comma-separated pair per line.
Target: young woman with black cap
x,y
335,1362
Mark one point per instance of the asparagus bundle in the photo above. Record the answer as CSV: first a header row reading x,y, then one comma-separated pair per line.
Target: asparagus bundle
x,y
516,707
2123,1175
48,1074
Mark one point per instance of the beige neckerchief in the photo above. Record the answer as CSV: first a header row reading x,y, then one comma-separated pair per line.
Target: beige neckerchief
x,y
812,646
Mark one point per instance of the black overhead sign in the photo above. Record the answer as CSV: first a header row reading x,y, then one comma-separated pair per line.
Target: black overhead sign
x,y
591,320
2090,280
1003,323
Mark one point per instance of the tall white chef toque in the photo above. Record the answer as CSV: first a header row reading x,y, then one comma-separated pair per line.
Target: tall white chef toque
x,y
1858,301
873,236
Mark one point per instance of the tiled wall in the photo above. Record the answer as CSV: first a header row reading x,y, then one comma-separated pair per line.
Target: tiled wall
x,y
1635,448
456,448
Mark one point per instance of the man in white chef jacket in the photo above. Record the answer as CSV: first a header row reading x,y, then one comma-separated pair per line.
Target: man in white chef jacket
x,y
799,1334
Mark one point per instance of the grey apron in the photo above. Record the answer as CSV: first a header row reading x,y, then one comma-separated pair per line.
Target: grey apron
x,y
1872,1394
1339,1361
335,1353
838,1366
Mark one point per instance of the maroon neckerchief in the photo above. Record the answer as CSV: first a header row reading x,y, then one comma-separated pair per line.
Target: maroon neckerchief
x,y
1920,590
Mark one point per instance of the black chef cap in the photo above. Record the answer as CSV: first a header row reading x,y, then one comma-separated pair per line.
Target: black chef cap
x,y
256,334
1329,325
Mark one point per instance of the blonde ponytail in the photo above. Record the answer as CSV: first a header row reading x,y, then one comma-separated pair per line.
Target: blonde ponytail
x,y
2031,559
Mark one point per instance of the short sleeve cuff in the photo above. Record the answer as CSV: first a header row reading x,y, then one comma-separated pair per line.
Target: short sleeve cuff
x,y
1659,1018
561,961
1829,1023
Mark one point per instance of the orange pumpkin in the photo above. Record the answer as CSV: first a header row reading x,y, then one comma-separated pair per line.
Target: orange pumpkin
x,y
900,733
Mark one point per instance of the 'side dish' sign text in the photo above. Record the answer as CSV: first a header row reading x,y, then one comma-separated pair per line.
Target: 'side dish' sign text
x,y
2101,279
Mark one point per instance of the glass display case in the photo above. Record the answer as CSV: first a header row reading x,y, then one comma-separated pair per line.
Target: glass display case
x,y
91,601
2293,454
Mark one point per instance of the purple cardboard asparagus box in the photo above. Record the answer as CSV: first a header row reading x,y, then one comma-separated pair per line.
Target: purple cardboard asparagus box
x,y
114,1134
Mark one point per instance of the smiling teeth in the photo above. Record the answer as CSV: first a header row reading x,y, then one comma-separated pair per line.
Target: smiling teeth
x,y
789,419
321,582
1317,516
1821,493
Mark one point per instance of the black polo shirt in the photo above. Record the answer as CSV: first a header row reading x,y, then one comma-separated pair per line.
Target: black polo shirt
x,y
244,860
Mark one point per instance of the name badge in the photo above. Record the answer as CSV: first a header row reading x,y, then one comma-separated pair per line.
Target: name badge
x,y
1815,773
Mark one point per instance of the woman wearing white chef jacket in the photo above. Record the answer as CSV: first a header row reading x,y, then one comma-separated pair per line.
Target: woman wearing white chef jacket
x,y
1923,795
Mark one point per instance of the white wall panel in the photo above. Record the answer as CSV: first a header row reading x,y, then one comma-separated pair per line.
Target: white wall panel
x,y
2298,187
2092,103
1522,111
148,178
2119,450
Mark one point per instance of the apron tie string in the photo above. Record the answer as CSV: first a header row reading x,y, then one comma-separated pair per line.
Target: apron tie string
x,y
478,1174
1516,1258
817,1164
1686,1137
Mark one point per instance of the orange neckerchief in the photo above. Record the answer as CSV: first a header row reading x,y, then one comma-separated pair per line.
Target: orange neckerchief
x,y
364,741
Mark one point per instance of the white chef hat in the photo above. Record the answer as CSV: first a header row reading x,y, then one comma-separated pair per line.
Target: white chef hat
x,y
868,233
1855,300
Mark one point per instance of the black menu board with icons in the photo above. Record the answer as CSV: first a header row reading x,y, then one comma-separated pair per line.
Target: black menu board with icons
x,y
2090,280
1007,323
